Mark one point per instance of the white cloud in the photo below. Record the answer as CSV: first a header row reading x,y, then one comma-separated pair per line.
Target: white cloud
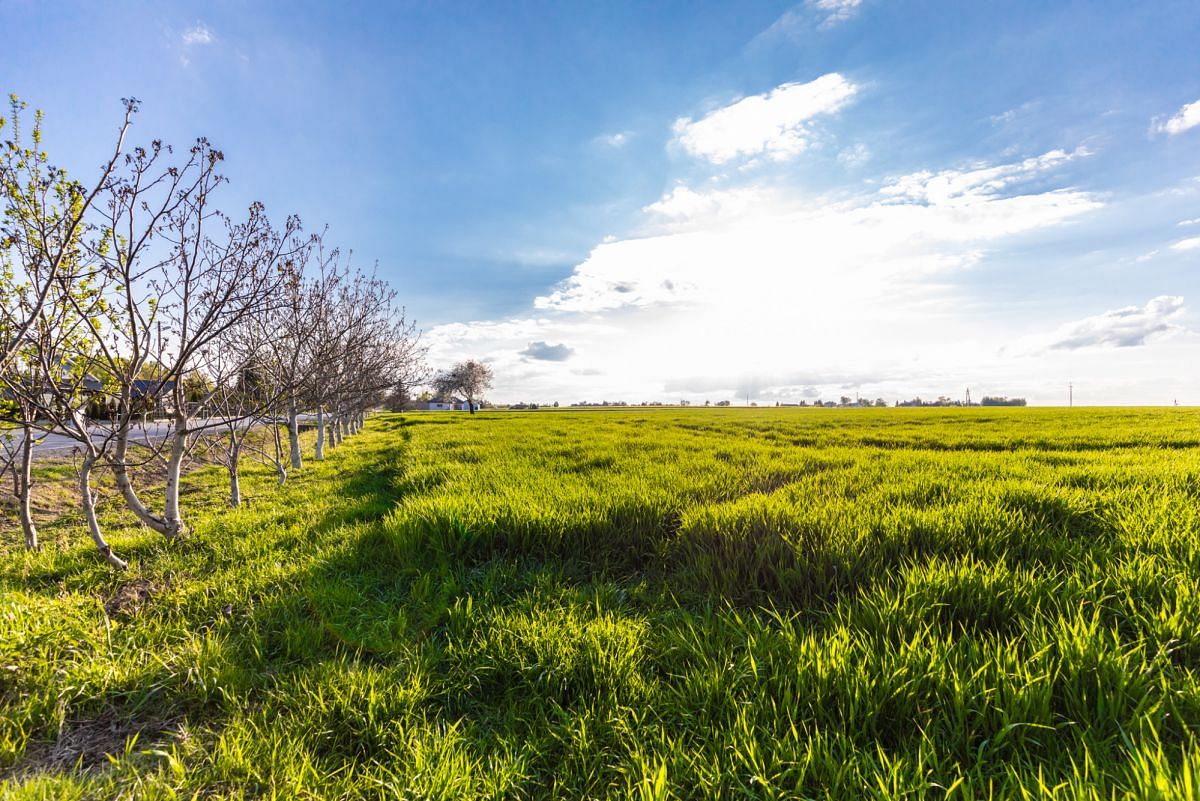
x,y
965,186
786,295
833,12
685,204
1195,221
795,24
776,124
724,246
197,35
1185,119
1126,327
755,288
1192,243
855,156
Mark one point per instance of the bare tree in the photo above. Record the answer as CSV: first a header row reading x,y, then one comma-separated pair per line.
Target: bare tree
x,y
52,383
139,297
470,378
17,439
243,395
45,288
176,287
43,213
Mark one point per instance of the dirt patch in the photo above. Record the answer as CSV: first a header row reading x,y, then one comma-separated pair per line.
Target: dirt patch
x,y
131,597
86,744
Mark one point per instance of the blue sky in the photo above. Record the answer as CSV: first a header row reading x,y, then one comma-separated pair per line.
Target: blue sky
x,y
700,200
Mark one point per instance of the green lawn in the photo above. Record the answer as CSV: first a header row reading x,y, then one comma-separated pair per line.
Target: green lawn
x,y
703,603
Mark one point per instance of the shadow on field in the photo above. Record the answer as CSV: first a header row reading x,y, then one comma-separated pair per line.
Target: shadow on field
x,y
249,631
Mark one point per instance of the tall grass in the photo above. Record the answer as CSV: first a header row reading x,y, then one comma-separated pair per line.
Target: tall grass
x,y
660,604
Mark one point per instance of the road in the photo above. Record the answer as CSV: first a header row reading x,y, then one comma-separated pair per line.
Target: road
x,y
154,431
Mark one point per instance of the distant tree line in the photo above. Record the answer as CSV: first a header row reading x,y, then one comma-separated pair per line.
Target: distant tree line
x,y
136,295
1001,401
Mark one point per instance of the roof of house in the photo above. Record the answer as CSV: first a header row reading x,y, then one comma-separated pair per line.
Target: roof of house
x,y
151,386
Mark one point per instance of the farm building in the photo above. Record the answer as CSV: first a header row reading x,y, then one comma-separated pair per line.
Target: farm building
x,y
449,405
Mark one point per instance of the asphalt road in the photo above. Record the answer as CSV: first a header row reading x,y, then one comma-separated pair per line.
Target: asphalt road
x,y
154,431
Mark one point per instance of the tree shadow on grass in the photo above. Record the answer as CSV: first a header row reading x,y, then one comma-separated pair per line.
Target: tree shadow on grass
x,y
245,640
509,641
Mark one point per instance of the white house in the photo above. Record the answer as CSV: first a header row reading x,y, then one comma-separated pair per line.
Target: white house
x,y
450,405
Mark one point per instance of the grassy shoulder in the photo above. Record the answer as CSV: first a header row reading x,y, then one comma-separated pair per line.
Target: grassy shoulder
x,y
692,604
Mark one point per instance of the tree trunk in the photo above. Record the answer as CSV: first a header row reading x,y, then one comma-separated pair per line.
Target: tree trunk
x,y
121,474
294,434
89,513
24,487
235,477
172,520
280,468
320,432
344,424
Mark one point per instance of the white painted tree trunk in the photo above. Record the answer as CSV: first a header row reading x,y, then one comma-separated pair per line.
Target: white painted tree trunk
x,y
120,468
344,424
172,519
294,434
89,512
25,487
235,476
320,454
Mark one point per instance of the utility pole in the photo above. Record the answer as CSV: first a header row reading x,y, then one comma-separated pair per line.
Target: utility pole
x,y
1070,394
968,401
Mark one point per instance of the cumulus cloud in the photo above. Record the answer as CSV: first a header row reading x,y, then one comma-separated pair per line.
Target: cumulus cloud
x,y
1192,243
545,352
759,248
1194,221
776,125
1185,119
684,203
1126,327
772,292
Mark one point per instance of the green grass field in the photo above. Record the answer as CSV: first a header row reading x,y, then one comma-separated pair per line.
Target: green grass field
x,y
637,604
